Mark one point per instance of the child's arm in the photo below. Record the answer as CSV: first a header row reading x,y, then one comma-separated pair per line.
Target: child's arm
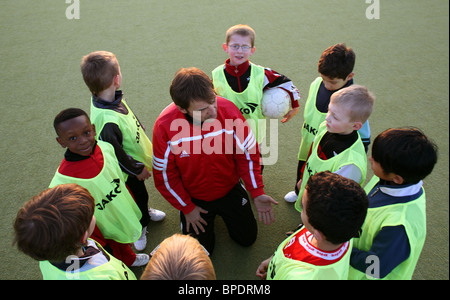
x,y
112,134
350,171
261,272
390,246
274,79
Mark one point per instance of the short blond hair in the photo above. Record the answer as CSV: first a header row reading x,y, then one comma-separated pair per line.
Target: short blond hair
x,y
358,99
243,30
179,257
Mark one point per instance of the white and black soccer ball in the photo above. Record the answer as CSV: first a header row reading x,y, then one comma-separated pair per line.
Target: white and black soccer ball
x,y
275,103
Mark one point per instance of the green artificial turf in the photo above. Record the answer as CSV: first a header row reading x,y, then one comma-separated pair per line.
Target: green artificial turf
x,y
402,57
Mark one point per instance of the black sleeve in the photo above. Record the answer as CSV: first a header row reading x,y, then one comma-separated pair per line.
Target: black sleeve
x,y
112,134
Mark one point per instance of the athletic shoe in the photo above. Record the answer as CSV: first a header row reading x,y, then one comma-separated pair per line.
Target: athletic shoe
x,y
156,215
141,260
141,243
291,197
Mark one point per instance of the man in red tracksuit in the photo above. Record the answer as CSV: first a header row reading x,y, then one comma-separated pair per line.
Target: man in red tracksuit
x,y
202,146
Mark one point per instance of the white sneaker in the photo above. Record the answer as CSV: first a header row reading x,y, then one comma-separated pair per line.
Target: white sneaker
x,y
291,197
141,243
141,260
156,215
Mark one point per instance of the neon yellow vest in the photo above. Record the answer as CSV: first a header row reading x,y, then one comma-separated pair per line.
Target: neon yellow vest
x,y
249,101
412,215
283,268
312,119
135,141
114,269
116,211
355,154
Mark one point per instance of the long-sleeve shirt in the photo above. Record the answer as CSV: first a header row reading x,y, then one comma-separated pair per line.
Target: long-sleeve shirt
x,y
204,162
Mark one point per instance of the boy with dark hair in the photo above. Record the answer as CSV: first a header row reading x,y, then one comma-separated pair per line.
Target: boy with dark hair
x,y
334,209
94,166
336,72
54,228
117,124
394,232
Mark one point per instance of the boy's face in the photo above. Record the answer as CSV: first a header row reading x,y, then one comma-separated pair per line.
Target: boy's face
x,y
239,56
338,119
379,172
77,134
334,84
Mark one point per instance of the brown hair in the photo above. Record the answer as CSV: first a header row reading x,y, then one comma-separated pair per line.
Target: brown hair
x,y
191,84
243,30
336,206
98,69
337,61
51,225
357,99
179,257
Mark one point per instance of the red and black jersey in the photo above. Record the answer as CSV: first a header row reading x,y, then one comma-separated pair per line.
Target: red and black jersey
x,y
238,78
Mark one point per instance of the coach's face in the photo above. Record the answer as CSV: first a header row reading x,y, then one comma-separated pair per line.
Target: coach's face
x,y
203,110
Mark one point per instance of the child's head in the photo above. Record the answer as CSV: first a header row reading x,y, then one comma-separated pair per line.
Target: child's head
x,y
239,43
334,207
192,90
403,155
55,223
349,109
336,66
75,131
179,257
100,70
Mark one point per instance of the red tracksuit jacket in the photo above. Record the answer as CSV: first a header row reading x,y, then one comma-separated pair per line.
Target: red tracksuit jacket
x,y
204,162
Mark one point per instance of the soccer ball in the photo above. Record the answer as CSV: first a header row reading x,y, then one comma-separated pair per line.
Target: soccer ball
x,y
275,103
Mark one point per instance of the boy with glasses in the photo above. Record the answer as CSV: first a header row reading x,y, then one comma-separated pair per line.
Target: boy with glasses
x,y
243,82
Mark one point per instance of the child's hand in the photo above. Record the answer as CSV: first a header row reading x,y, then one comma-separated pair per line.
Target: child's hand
x,y
261,272
289,115
145,174
299,184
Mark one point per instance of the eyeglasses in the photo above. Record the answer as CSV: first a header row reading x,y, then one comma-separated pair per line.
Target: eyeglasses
x,y
236,47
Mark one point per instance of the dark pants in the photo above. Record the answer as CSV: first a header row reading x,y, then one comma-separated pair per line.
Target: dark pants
x,y
139,192
236,211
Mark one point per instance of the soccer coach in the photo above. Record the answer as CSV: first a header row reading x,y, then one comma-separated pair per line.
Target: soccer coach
x,y
202,146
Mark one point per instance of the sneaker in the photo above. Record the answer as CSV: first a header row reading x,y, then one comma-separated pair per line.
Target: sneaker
x,y
291,197
141,260
141,243
156,215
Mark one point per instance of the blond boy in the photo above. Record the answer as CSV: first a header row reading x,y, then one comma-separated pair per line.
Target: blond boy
x,y
338,146
179,257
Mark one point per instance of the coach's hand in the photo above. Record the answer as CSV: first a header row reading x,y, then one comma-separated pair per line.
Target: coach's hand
x,y
195,220
263,205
